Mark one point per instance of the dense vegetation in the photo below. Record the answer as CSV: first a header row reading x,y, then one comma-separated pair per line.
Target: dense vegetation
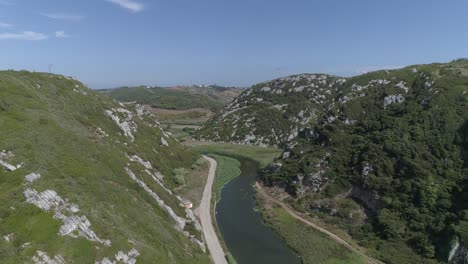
x,y
383,155
56,127
312,245
178,98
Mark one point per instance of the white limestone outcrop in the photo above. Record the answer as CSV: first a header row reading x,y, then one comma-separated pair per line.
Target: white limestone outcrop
x,y
144,163
8,237
180,222
393,99
32,177
42,258
402,85
73,225
122,257
126,124
100,132
4,157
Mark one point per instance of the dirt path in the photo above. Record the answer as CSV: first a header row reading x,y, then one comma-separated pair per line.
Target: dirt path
x,y
330,234
216,251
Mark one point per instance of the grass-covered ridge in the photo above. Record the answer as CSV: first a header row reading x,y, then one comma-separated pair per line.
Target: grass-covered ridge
x,y
58,128
382,155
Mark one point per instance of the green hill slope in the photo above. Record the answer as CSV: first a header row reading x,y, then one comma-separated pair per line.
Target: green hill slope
x,y
85,180
383,155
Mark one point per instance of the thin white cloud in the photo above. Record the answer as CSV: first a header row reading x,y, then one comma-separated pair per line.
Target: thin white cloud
x,y
63,16
5,2
5,25
131,5
25,35
378,68
61,34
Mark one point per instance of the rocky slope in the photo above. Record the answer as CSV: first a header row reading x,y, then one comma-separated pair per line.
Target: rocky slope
x,y
84,179
274,112
383,154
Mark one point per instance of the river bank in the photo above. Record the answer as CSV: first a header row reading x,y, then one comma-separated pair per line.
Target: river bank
x,y
246,236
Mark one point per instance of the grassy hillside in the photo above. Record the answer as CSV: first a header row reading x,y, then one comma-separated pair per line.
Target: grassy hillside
x,y
177,98
382,155
101,168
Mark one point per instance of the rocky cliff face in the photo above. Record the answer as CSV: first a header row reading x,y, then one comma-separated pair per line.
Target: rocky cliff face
x,y
458,254
84,179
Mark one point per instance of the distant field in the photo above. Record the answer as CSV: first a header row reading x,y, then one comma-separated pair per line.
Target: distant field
x,y
180,110
176,98
193,116
229,166
262,155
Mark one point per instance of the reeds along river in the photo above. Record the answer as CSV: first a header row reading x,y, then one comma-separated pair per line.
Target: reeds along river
x,y
248,239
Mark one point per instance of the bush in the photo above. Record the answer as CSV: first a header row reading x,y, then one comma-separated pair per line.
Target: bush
x,y
179,175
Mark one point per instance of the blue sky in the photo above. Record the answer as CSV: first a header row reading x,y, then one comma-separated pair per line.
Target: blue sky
x,y
107,43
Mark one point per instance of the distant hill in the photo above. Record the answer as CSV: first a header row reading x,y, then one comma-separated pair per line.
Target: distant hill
x,y
383,155
177,98
85,179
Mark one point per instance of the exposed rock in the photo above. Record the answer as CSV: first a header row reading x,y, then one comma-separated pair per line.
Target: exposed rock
x,y
142,111
380,82
369,198
32,177
50,200
164,142
348,121
316,181
79,91
344,99
393,99
357,88
127,258
127,125
105,261
249,139
145,164
428,84
42,258
458,254
191,216
402,85
4,156
122,257
8,237
366,169
279,107
180,222
101,132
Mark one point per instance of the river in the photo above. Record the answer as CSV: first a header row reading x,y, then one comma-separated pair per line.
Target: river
x,y
247,238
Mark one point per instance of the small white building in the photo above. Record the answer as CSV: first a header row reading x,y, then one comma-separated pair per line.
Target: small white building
x,y
188,204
